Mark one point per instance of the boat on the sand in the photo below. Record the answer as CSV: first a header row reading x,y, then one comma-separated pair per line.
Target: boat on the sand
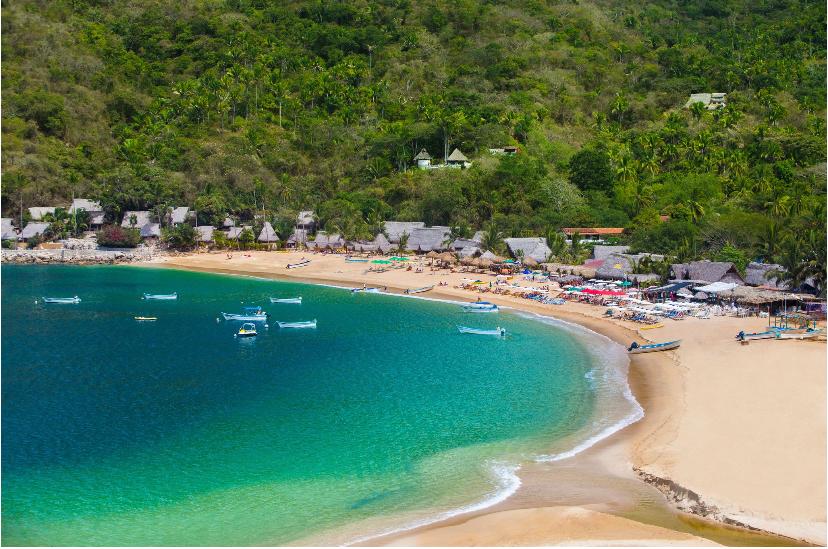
x,y
419,290
635,348
303,263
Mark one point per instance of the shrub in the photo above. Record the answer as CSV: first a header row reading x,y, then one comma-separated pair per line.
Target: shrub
x,y
181,237
115,236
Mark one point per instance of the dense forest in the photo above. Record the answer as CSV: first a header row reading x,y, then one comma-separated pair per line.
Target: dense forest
x,y
248,105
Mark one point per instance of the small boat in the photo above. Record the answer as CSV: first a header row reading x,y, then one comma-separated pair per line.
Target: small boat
x,y
162,297
146,318
75,299
245,317
365,290
807,334
296,300
247,330
500,332
302,324
355,260
303,263
635,348
768,334
480,307
420,290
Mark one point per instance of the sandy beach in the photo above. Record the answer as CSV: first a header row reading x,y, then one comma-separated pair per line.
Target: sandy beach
x,y
733,432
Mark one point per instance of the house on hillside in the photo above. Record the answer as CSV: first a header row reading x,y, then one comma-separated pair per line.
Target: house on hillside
x,y
428,239
509,150
179,215
395,229
306,221
423,159
711,101
92,207
707,271
141,220
38,212
458,160
597,234
524,248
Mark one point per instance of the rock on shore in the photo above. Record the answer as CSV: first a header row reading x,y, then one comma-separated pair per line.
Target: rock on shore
x,y
77,256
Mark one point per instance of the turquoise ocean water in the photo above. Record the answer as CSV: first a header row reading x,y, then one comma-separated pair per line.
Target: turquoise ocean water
x,y
117,432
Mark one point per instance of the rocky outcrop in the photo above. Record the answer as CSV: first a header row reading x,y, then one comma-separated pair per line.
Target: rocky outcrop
x,y
77,256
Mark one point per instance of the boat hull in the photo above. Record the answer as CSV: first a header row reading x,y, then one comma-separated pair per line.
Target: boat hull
x,y
309,324
420,290
295,300
298,265
475,331
161,297
62,300
245,318
654,348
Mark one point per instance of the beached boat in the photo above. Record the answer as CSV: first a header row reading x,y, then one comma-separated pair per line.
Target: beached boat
x,y
807,334
64,300
365,290
296,300
145,318
303,263
355,260
162,297
635,348
768,334
500,332
419,290
247,330
302,324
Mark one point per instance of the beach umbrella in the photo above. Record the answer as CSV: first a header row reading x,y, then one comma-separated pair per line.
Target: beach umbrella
x,y
447,257
382,261
625,283
468,261
529,262
432,255
507,260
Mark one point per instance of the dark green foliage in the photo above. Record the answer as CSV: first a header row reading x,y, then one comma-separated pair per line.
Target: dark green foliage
x,y
180,237
115,236
590,170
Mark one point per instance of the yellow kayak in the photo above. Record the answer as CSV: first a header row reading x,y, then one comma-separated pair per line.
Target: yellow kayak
x,y
146,318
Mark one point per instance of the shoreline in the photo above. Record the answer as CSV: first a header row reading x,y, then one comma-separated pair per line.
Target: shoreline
x,y
632,463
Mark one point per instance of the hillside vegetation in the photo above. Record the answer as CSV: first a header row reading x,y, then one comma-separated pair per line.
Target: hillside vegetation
x,y
248,105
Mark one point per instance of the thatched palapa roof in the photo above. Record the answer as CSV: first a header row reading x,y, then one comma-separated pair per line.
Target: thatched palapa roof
x,y
707,271
268,234
534,247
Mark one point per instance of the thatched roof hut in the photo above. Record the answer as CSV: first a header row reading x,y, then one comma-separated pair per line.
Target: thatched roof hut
x,y
447,257
432,255
268,234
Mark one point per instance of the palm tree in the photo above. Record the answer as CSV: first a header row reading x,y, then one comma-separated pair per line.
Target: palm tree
x,y
492,238
698,109
556,242
769,241
403,243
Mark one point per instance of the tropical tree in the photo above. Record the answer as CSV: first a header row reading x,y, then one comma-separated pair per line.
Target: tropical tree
x,y
492,238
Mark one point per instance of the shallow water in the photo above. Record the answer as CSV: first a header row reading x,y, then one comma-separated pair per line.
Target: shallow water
x,y
117,432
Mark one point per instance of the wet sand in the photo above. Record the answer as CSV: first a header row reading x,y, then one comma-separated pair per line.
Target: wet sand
x,y
741,428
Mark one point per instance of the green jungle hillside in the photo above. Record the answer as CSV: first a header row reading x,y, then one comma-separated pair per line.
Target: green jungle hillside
x,y
248,105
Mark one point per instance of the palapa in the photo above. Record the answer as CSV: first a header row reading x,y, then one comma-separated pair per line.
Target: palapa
x,y
432,255
529,262
447,257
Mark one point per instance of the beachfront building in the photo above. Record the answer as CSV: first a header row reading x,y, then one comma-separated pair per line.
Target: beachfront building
x,y
762,275
92,207
622,267
7,230
428,239
233,233
528,248
306,221
707,271
204,233
458,160
33,230
423,159
461,243
380,244
141,220
395,229
268,235
325,241
37,213
593,234
711,101
601,251
180,215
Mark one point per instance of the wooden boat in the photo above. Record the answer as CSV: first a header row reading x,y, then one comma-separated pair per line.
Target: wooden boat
x,y
302,324
419,290
162,297
145,318
303,263
296,300
635,348
247,330
355,260
64,300
500,332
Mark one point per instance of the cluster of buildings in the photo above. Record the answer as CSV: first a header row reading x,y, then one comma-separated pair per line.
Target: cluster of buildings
x,y
38,224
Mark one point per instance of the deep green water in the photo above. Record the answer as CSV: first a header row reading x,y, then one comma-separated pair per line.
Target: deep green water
x,y
117,432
